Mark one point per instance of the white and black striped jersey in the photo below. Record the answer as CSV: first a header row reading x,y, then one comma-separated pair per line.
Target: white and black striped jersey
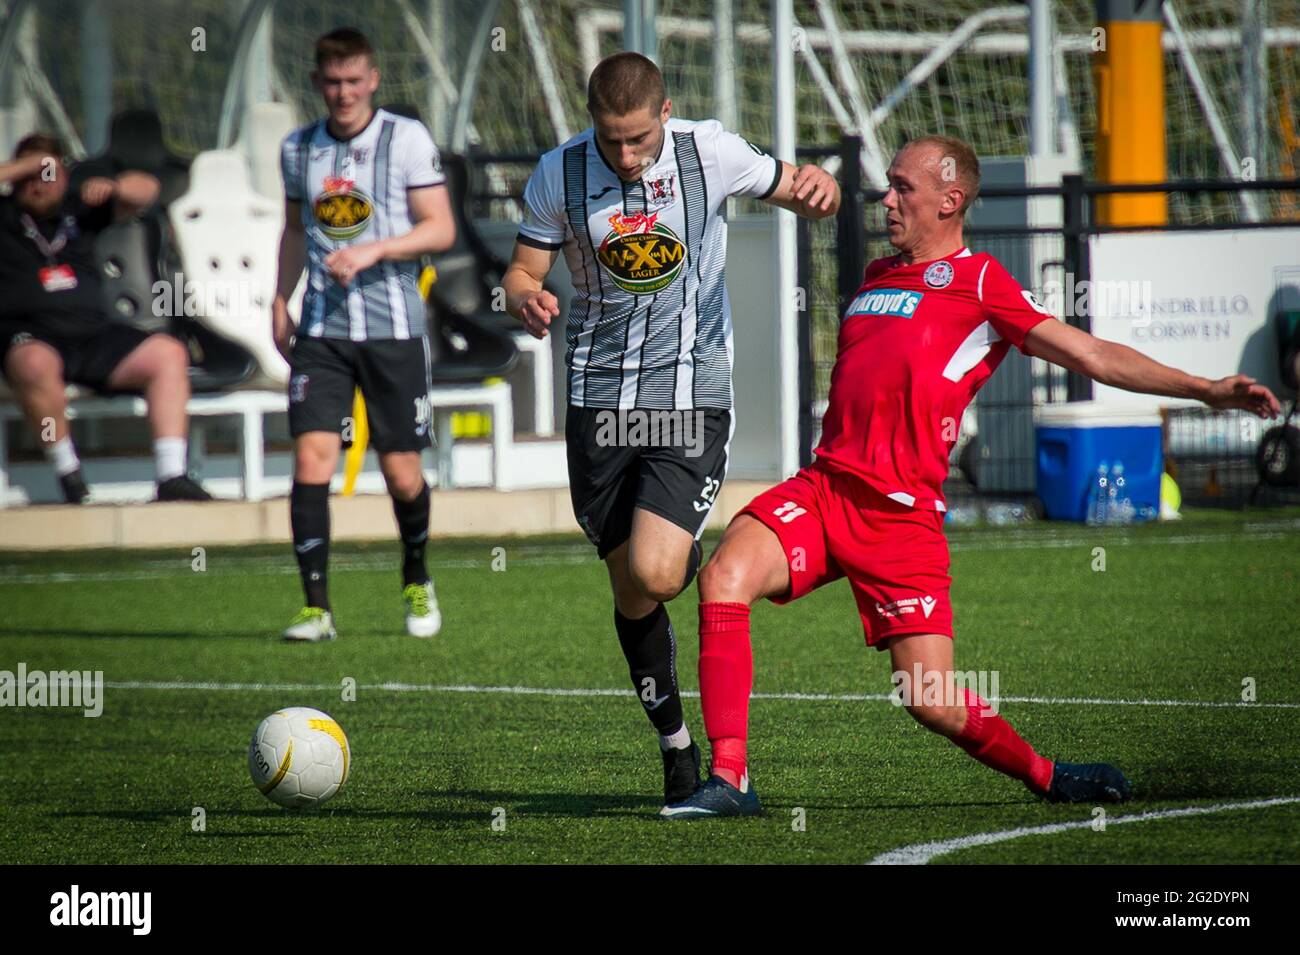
x,y
354,191
649,325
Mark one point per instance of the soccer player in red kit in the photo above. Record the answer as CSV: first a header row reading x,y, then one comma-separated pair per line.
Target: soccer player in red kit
x,y
924,333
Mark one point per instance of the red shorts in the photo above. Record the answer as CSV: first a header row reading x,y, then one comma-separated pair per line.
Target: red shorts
x,y
833,524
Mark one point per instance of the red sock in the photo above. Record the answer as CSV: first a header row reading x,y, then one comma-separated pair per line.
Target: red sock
x,y
726,676
991,740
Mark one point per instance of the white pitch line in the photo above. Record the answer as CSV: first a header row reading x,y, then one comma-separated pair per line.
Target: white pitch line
x,y
224,566
923,852
691,694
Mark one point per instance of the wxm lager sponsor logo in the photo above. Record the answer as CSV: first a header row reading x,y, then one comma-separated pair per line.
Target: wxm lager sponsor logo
x,y
641,253
342,210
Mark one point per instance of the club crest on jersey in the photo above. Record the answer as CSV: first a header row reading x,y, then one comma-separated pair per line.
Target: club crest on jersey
x,y
342,210
641,253
659,193
939,274
899,303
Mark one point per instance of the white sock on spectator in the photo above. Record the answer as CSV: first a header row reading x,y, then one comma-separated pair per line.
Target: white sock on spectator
x,y
169,457
63,456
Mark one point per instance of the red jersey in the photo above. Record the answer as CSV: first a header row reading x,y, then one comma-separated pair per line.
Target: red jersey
x,y
916,344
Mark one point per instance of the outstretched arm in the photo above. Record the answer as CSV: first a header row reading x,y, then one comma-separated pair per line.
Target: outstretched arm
x,y
1122,367
809,191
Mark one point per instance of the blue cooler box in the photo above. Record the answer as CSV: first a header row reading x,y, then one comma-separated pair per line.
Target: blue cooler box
x,y
1075,438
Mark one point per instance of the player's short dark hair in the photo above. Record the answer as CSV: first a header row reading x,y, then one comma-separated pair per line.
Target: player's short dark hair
x,y
965,164
624,83
343,44
39,143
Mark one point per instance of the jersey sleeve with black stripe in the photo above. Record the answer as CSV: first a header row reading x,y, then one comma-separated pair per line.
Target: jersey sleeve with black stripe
x,y
292,157
417,156
746,170
545,219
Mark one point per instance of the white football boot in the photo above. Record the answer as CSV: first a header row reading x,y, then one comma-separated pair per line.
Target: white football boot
x,y
423,618
312,625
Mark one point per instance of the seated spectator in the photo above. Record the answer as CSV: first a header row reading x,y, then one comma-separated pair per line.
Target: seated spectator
x,y
53,329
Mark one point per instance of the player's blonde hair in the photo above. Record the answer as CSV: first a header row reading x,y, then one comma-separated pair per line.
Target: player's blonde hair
x,y
957,162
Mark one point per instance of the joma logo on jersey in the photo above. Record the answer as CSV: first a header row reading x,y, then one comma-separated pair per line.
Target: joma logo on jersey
x,y
342,210
885,301
642,254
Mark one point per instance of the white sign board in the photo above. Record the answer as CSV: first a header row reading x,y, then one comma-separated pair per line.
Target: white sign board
x,y
1200,301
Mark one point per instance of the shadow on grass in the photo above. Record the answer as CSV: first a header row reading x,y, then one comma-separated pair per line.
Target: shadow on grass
x,y
438,807
113,633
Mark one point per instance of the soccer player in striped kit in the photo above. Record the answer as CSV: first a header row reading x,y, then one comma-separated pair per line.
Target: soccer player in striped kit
x,y
364,199
927,329
637,205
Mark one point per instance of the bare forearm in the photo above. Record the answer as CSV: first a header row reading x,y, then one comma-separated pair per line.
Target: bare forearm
x,y
293,255
137,189
806,208
429,236
518,284
1122,367
21,168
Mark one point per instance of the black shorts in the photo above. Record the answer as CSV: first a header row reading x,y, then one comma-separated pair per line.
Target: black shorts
x,y
90,356
669,463
393,376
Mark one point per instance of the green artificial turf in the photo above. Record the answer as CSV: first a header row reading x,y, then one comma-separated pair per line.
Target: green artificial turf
x,y
444,739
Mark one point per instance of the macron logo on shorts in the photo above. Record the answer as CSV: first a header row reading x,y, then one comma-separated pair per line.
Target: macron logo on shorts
x,y
907,605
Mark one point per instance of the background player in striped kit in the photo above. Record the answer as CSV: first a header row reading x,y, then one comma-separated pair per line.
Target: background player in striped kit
x,y
364,199
637,205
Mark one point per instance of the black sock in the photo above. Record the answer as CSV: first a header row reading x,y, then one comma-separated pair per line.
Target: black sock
x,y
651,651
413,526
309,516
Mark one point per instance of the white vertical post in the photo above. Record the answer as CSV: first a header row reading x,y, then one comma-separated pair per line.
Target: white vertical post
x,y
783,144
649,30
1254,81
724,64
1042,99
252,454
632,25
96,74
257,79
4,463
437,108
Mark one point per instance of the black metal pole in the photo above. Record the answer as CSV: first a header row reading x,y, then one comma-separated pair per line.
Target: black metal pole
x,y
1077,387
850,225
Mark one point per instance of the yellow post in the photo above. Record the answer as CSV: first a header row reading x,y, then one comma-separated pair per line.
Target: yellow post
x,y
356,455
1129,83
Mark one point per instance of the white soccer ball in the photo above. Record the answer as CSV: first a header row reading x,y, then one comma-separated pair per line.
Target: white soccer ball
x,y
299,757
